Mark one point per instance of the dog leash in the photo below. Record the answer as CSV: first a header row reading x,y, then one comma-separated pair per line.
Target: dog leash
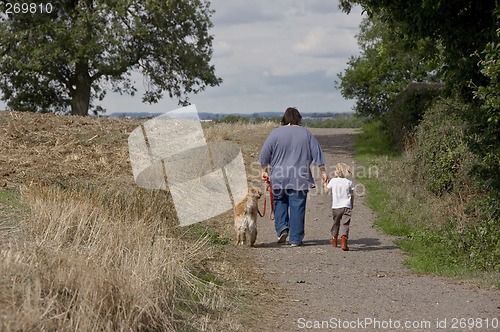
x,y
270,190
258,210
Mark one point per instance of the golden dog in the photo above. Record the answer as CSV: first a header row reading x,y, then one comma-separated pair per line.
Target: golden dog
x,y
245,218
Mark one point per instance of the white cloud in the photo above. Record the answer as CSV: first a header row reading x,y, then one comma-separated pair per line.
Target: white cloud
x,y
315,39
222,49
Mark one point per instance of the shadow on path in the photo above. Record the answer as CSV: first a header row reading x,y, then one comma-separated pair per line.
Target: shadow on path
x,y
363,244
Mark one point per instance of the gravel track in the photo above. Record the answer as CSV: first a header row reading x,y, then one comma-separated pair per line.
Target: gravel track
x,y
321,288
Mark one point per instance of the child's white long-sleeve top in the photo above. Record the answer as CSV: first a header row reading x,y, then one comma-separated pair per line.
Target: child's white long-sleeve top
x,y
342,189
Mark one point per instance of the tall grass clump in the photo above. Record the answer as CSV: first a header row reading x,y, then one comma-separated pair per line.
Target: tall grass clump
x,y
374,141
99,258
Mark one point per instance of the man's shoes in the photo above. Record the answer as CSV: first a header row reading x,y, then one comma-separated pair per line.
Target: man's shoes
x,y
343,243
283,236
295,244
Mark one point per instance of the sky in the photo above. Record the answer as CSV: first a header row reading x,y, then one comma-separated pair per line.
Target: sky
x,y
270,55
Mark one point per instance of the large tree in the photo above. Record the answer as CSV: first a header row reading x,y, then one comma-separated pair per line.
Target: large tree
x,y
462,27
469,33
64,55
388,62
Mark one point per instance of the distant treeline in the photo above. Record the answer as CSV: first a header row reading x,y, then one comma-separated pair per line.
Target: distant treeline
x,y
342,121
266,116
269,115
314,120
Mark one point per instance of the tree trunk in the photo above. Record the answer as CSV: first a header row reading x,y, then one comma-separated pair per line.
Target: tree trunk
x,y
80,97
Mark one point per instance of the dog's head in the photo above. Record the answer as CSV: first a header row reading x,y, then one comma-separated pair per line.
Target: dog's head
x,y
254,193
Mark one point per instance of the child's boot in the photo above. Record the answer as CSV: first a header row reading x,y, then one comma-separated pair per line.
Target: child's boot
x,y
333,241
343,243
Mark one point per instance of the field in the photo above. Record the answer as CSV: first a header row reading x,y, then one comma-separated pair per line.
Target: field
x,y
84,249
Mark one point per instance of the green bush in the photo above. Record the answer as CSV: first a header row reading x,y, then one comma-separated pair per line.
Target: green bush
x,y
409,108
375,140
445,164
441,157
485,128
428,198
474,231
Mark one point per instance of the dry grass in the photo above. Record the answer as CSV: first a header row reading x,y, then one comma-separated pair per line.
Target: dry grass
x,y
90,261
248,136
232,131
47,149
95,253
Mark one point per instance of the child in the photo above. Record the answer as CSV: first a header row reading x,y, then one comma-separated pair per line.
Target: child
x,y
342,203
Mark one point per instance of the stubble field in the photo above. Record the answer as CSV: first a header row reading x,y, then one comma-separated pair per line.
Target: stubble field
x,y
82,248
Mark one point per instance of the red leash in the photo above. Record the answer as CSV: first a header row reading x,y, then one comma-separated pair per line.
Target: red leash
x,y
270,190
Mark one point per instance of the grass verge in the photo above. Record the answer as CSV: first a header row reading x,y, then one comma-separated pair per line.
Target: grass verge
x,y
408,212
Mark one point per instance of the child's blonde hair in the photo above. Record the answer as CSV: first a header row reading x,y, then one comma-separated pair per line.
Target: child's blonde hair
x,y
342,170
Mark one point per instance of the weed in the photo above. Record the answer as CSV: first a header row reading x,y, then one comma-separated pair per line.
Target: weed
x,y
210,233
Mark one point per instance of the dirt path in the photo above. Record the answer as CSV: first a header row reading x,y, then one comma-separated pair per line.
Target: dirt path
x,y
365,289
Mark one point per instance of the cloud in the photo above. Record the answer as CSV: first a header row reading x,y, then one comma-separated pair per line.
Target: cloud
x,y
238,12
329,42
222,49
323,7
315,81
315,39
